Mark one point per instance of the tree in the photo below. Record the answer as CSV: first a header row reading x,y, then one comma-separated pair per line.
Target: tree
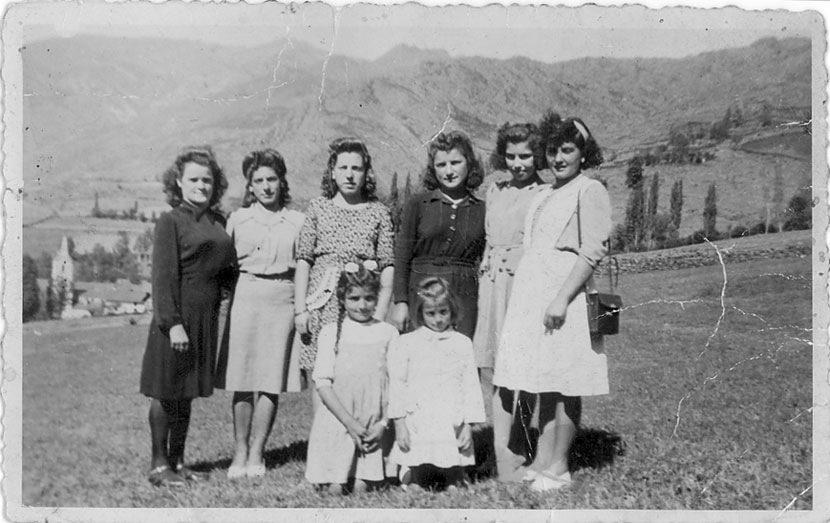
x,y
710,213
676,209
407,189
96,210
634,217
634,173
44,265
124,260
778,212
31,291
651,211
799,211
394,201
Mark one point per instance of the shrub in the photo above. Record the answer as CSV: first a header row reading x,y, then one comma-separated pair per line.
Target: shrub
x,y
739,231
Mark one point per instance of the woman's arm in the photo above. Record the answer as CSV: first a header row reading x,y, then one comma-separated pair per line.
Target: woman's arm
x,y
404,252
385,254
594,223
167,282
300,293
305,253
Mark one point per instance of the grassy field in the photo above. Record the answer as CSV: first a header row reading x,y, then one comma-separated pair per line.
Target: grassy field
x,y
709,409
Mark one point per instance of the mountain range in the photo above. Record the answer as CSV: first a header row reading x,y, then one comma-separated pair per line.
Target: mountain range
x,y
107,115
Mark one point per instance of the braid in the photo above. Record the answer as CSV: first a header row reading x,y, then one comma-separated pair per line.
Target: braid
x,y
340,316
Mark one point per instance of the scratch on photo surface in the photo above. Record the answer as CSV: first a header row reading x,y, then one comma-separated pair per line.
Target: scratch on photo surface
x,y
335,26
443,128
722,300
800,494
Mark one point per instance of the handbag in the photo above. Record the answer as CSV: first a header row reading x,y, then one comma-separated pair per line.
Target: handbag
x,y
603,307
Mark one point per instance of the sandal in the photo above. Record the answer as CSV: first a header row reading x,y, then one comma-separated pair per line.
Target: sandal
x,y
530,475
236,471
191,475
546,481
163,475
255,470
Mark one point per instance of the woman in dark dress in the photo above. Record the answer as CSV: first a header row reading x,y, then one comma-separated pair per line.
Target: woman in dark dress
x,y
193,261
442,231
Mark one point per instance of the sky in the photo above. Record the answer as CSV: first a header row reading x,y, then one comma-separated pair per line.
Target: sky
x,y
544,33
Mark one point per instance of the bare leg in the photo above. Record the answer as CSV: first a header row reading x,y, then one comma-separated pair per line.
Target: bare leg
x,y
243,405
568,413
265,410
547,433
159,433
507,463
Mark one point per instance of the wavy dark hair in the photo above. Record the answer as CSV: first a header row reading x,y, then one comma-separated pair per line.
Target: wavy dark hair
x,y
265,158
567,131
437,289
518,133
349,145
362,278
446,142
199,154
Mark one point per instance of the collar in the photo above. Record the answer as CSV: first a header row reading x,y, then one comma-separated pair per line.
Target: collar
x,y
437,195
432,336
191,209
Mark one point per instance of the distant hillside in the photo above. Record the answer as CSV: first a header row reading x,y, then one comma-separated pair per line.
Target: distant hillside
x,y
108,114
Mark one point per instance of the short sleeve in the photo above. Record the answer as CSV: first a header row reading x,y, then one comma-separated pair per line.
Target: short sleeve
x,y
308,235
595,222
323,374
384,251
166,274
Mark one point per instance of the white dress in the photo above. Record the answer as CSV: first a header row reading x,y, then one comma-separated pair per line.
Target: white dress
x,y
564,360
434,385
356,371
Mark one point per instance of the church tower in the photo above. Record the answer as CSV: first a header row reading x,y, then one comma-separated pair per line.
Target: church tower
x,y
63,276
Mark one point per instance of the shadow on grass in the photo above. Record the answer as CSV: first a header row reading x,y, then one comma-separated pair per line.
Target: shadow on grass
x,y
295,452
595,449
592,449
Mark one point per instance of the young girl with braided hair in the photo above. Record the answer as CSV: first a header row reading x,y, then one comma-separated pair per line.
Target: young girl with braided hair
x,y
349,443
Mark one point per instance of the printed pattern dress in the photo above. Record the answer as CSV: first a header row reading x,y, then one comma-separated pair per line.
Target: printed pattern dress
x,y
433,385
564,360
504,226
193,261
258,356
331,237
356,369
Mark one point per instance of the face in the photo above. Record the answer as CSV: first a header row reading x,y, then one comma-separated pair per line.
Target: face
x,y
565,160
349,174
265,186
519,159
450,169
196,184
437,315
360,304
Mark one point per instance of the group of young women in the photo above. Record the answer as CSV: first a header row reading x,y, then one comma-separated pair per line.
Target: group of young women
x,y
497,285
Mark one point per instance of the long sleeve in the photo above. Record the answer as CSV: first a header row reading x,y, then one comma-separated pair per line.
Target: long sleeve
x,y
386,240
405,250
595,217
166,274
323,374
396,361
473,401
308,235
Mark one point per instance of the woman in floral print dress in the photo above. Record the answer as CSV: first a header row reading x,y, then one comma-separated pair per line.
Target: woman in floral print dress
x,y
346,224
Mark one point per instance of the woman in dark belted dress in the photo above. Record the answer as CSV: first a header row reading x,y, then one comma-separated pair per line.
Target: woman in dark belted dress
x,y
193,261
442,231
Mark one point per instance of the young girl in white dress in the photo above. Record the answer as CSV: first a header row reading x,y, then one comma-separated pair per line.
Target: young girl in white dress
x,y
349,443
434,394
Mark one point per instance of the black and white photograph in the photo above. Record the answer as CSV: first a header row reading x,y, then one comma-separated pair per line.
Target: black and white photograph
x,y
398,262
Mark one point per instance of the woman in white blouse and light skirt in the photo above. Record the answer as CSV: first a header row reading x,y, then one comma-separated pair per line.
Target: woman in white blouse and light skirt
x,y
257,363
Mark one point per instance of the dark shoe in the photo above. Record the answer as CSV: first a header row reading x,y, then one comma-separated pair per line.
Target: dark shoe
x,y
191,475
163,476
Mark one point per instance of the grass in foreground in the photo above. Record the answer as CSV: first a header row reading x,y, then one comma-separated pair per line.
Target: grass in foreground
x,y
709,404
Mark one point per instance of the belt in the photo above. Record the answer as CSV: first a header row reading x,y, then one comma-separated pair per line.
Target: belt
x,y
288,275
443,260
